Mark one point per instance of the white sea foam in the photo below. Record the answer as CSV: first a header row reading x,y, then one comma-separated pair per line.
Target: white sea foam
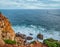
x,y
35,30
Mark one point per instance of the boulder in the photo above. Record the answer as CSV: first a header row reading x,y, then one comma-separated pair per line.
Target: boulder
x,y
29,38
23,36
40,36
20,41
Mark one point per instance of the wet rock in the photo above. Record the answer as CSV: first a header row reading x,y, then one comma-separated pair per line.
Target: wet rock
x,y
40,36
23,36
29,38
31,34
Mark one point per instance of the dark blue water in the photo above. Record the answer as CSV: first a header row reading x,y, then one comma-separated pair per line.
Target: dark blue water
x,y
45,18
44,21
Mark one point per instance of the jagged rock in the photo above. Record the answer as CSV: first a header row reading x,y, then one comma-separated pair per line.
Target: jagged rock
x,y
36,44
6,31
20,41
29,38
40,36
20,38
23,36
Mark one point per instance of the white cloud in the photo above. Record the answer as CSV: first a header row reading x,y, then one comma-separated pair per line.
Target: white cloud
x,y
56,0
31,0
26,4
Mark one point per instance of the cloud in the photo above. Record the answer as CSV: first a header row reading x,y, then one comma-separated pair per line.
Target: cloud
x,y
56,0
29,4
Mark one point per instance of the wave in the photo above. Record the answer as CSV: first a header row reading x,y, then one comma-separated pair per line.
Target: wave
x,y
36,30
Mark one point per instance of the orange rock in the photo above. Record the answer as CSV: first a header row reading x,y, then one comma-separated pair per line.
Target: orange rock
x,y
7,45
5,26
2,42
37,44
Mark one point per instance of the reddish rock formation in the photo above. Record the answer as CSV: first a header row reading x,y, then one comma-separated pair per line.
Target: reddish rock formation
x,y
32,45
37,44
6,30
2,42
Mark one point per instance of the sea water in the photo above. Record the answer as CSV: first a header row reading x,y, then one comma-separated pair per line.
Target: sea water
x,y
27,21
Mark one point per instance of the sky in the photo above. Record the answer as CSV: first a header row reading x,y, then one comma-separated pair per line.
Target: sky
x,y
29,4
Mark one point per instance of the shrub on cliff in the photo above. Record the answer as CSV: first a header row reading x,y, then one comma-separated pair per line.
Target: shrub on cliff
x,y
9,42
51,42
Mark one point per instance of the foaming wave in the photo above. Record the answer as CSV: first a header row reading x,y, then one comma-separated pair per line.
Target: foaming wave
x,y
36,30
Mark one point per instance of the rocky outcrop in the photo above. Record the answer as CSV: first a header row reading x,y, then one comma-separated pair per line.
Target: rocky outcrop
x,y
37,44
6,31
20,38
23,36
20,41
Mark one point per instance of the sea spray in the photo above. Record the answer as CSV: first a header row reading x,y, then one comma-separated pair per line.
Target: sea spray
x,y
23,29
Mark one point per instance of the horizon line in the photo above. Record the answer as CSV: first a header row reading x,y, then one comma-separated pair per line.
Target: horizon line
x,y
28,8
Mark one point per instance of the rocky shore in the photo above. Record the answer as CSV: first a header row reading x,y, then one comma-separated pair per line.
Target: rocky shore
x,y
8,38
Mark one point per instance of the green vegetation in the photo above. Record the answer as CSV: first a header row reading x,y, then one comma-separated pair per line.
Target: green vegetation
x,y
9,42
51,42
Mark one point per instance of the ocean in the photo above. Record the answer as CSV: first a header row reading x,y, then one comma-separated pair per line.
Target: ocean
x,y
35,21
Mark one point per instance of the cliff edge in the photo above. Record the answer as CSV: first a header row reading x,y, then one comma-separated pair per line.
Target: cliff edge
x,y
6,31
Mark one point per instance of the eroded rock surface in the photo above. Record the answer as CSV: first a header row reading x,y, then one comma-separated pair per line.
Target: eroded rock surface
x,y
6,31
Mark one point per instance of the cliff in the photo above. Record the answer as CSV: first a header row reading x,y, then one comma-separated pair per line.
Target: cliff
x,y
6,31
